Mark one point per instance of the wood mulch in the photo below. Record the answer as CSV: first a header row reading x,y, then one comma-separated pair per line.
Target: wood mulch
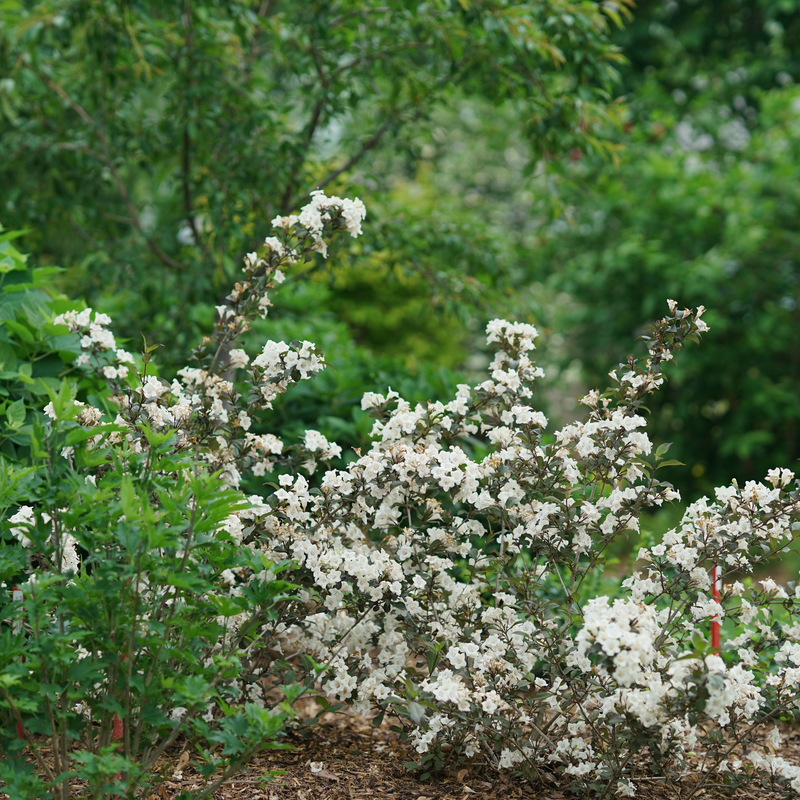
x,y
357,761
353,760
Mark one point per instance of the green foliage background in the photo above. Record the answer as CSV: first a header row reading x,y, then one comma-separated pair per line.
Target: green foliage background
x,y
704,208
557,163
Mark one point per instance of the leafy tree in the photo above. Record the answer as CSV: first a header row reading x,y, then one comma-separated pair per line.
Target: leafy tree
x,y
705,209
702,207
146,141
741,44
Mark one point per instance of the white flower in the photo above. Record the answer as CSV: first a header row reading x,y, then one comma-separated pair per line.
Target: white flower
x,y
244,420
238,359
780,477
315,442
284,222
21,524
354,212
625,788
152,388
274,245
371,400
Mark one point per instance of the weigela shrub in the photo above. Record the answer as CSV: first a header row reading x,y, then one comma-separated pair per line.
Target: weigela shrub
x,y
451,590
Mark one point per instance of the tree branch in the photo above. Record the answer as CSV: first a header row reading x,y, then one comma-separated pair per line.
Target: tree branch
x,y
355,158
286,198
387,123
253,52
316,115
187,193
105,158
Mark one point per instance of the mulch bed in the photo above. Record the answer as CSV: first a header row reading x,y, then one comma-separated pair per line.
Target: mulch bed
x,y
361,762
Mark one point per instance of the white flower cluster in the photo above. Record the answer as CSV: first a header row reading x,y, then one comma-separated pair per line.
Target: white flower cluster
x,y
96,340
313,217
624,631
65,545
21,523
279,365
317,446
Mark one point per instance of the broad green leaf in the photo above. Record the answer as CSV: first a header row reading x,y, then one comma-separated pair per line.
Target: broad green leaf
x,y
20,330
15,415
8,358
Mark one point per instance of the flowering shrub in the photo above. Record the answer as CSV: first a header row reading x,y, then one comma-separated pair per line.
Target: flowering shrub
x,y
440,587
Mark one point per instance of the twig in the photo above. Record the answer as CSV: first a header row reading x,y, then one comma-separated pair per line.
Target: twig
x,y
354,159
105,158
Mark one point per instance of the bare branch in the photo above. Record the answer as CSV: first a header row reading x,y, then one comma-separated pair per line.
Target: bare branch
x,y
355,158
105,158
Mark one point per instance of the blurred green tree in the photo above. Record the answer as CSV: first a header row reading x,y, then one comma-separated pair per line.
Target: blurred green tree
x,y
699,227
705,209
150,143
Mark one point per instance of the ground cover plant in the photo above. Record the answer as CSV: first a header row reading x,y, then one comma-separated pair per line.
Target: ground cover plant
x,y
443,578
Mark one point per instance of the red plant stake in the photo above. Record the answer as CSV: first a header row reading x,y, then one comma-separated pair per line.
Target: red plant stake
x,y
16,595
716,585
117,732
116,735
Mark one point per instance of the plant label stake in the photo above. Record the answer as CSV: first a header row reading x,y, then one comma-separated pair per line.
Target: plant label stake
x,y
18,596
716,585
